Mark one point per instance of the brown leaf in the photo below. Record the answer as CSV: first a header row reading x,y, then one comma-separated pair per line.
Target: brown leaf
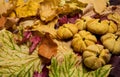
x,y
2,22
10,23
48,47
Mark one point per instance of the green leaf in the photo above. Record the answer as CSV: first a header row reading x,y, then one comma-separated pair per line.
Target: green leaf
x,y
15,60
100,72
70,66
67,68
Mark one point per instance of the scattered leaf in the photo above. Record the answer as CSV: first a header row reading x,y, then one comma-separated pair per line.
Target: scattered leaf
x,y
48,47
2,22
43,28
28,8
71,66
99,5
4,6
48,9
15,60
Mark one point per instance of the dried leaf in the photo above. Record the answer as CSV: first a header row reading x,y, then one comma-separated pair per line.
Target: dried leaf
x,y
2,22
115,17
48,47
26,8
10,24
4,6
89,10
48,9
43,28
99,5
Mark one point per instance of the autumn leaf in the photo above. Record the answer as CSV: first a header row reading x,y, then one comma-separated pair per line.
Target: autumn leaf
x,y
15,60
97,4
25,8
48,9
43,28
2,22
4,6
48,47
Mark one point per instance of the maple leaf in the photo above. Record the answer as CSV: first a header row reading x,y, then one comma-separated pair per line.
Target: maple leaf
x,y
15,60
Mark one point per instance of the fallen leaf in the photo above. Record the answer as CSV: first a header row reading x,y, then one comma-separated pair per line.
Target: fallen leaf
x,y
26,8
48,47
10,24
43,28
99,5
48,9
4,6
2,22
89,10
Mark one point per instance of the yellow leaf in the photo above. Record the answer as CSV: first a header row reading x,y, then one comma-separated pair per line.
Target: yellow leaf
x,y
27,8
48,9
99,5
43,28
4,6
